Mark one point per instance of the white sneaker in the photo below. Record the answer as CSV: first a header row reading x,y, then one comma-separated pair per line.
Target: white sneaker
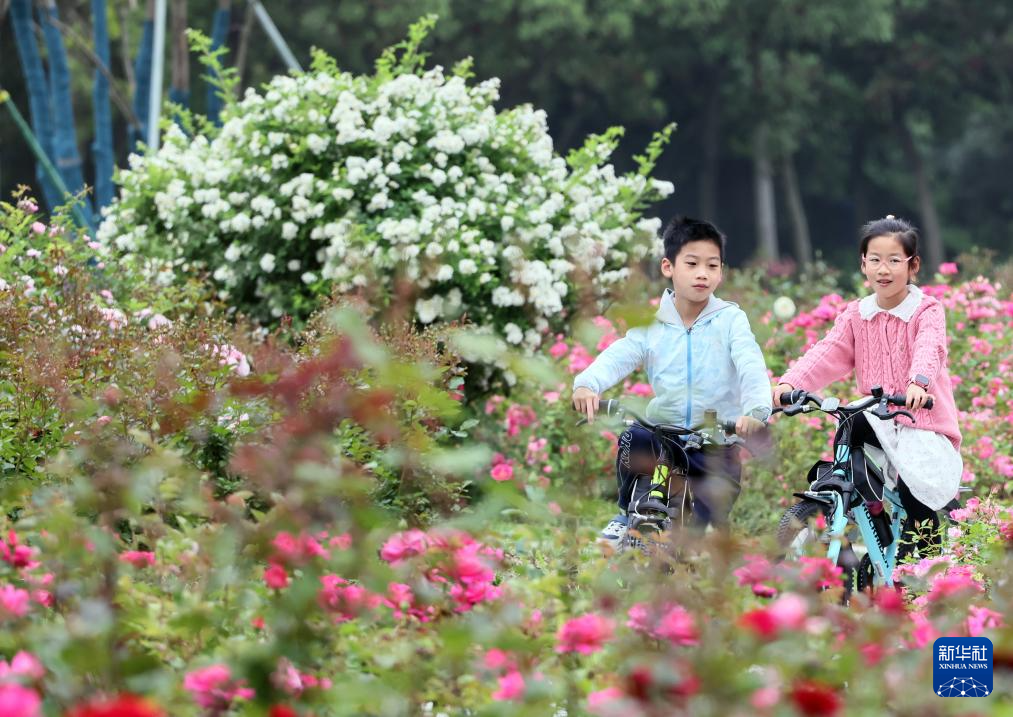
x,y
613,533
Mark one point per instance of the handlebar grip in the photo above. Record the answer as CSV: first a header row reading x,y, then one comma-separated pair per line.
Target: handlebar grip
x,y
611,406
790,397
728,427
899,399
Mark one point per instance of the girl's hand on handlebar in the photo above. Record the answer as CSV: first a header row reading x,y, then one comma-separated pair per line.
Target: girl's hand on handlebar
x,y
585,401
779,389
917,397
747,426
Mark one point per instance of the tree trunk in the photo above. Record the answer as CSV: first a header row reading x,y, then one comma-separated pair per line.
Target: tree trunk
x,y
931,231
128,68
859,191
219,36
142,71
711,153
179,88
102,147
796,212
65,154
38,94
763,193
244,47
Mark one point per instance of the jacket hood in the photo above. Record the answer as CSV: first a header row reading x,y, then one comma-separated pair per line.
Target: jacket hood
x,y
667,313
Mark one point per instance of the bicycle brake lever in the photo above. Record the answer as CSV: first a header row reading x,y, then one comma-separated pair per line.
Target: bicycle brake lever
x,y
893,414
901,412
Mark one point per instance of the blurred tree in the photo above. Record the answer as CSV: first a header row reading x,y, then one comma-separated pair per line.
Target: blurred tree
x,y
38,90
102,146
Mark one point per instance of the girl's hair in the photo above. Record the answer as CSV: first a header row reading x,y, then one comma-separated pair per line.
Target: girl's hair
x,y
890,225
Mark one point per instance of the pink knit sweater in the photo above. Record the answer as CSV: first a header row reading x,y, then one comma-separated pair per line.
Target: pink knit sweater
x,y
885,350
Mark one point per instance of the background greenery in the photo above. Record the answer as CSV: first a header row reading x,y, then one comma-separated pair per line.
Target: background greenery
x,y
862,100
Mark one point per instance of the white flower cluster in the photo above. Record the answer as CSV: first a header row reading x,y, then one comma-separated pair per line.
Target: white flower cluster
x,y
333,180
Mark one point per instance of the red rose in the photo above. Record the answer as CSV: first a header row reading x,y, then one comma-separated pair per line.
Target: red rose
x,y
816,699
282,711
122,706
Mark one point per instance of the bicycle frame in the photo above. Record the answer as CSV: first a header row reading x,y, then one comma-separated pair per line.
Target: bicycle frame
x,y
883,560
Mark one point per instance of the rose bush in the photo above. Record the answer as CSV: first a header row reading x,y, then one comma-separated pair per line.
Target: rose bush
x,y
124,575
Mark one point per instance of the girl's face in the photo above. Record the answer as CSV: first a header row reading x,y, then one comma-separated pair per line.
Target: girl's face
x,y
889,269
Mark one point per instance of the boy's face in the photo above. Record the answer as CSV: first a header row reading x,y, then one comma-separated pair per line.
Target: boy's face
x,y
696,271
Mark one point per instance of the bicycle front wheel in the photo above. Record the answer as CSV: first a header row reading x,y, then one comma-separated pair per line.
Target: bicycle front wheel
x,y
796,533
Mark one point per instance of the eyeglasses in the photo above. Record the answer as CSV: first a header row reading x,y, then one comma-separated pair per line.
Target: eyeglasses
x,y
894,262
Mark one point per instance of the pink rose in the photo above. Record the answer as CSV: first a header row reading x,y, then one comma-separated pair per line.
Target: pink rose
x,y
18,701
511,687
585,634
275,577
404,545
502,472
14,602
23,664
138,558
213,688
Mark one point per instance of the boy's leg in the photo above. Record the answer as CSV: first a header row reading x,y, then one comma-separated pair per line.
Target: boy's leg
x,y
636,458
715,478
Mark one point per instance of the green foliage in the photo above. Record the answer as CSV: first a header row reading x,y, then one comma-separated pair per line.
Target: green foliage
x,y
224,79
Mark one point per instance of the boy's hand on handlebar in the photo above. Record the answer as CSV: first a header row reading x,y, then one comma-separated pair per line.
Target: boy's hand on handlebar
x,y
917,397
747,426
779,389
585,401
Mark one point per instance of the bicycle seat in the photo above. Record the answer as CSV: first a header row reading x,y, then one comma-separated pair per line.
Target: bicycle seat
x,y
838,485
831,482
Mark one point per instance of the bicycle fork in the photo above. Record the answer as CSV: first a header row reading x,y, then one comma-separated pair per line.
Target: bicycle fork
x,y
883,558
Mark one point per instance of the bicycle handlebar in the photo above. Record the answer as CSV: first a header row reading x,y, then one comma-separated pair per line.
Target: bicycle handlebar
x,y
799,396
612,407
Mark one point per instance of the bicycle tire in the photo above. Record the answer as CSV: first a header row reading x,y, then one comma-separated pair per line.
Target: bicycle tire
x,y
796,519
865,575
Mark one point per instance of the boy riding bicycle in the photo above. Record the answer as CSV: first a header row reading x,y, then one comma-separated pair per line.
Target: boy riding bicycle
x,y
700,354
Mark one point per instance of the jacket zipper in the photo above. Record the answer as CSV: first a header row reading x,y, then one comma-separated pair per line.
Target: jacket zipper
x,y
689,376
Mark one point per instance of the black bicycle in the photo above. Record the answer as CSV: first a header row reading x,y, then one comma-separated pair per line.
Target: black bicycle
x,y
664,499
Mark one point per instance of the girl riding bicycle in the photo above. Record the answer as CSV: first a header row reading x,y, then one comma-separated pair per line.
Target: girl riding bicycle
x,y
895,338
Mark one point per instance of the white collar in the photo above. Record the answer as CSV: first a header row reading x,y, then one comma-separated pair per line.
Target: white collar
x,y
869,307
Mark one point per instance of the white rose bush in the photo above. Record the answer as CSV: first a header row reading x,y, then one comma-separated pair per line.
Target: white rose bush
x,y
329,182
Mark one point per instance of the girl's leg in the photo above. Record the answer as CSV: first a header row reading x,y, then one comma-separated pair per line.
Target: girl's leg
x,y
921,529
861,432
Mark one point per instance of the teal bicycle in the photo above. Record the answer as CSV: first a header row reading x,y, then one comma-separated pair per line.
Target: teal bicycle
x,y
849,493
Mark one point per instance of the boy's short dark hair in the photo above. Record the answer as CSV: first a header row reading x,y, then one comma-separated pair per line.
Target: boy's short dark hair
x,y
682,230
